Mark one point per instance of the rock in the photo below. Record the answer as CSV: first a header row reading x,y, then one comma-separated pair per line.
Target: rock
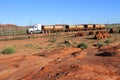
x,y
101,35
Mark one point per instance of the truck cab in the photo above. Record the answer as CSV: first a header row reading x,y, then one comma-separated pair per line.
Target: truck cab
x,y
37,28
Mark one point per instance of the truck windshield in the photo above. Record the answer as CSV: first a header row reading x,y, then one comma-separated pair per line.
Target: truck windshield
x,y
34,27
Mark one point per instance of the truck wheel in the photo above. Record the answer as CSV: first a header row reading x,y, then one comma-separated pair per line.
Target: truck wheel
x,y
31,32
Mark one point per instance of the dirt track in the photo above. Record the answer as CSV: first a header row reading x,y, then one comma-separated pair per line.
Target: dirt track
x,y
64,64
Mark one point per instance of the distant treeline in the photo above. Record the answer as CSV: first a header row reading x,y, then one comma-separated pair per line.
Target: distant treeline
x,y
115,25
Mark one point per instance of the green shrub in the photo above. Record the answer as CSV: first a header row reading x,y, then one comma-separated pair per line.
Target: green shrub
x,y
99,45
52,40
82,46
108,42
28,45
67,44
49,45
8,50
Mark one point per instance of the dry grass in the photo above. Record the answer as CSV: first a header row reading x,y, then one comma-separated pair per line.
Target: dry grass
x,y
53,41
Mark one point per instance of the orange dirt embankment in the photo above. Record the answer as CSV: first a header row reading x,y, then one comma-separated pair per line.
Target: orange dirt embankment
x,y
63,64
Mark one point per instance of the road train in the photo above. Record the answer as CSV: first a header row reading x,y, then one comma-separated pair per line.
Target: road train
x,y
38,28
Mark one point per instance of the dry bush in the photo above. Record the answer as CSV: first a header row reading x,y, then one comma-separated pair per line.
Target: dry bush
x,y
91,33
112,30
80,34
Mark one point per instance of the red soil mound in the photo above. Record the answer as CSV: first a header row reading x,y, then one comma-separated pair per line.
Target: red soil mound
x,y
8,26
101,35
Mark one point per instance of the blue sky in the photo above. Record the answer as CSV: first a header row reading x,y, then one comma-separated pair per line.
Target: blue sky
x,y
27,12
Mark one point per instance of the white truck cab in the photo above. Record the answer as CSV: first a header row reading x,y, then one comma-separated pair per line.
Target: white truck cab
x,y
37,28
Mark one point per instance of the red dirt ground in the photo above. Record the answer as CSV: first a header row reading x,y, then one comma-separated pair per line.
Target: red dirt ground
x,y
64,64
